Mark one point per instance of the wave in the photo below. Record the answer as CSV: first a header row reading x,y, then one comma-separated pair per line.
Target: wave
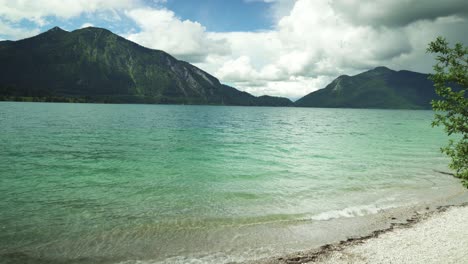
x,y
353,211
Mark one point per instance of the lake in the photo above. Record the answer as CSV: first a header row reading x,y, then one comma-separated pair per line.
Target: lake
x,y
162,183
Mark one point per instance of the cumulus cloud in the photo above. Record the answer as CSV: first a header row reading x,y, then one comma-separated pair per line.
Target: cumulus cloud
x,y
312,41
38,10
320,40
309,46
185,39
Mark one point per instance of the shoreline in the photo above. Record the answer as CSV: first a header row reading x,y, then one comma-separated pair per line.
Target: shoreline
x,y
337,252
355,232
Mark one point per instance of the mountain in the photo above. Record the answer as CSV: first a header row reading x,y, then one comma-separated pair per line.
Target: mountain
x,y
95,65
377,88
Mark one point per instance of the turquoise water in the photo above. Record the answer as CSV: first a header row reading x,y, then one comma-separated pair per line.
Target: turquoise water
x,y
116,183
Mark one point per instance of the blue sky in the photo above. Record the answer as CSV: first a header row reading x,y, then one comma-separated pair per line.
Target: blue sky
x,y
225,15
275,47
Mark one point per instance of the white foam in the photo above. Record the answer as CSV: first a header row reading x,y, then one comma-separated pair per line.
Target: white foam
x,y
353,211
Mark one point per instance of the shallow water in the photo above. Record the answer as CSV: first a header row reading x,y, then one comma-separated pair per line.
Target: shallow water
x,y
116,183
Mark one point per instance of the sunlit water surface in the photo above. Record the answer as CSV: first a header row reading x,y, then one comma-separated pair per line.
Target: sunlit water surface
x,y
118,183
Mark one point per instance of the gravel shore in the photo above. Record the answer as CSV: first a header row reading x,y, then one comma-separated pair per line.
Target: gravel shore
x,y
439,236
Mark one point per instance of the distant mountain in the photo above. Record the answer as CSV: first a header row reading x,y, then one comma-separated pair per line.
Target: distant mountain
x,y
377,88
95,65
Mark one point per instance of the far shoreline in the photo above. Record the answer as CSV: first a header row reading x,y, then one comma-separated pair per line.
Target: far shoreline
x,y
80,102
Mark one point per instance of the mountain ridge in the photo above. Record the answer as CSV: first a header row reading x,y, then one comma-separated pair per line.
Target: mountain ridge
x,y
96,65
380,87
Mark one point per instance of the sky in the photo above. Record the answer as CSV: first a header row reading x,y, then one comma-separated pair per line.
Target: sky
x,y
276,47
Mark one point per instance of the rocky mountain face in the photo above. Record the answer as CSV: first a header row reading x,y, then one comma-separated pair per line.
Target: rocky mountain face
x,y
377,88
95,65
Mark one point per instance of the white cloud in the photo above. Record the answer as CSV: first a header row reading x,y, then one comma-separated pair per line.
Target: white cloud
x,y
85,25
308,47
38,10
161,29
316,42
312,42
